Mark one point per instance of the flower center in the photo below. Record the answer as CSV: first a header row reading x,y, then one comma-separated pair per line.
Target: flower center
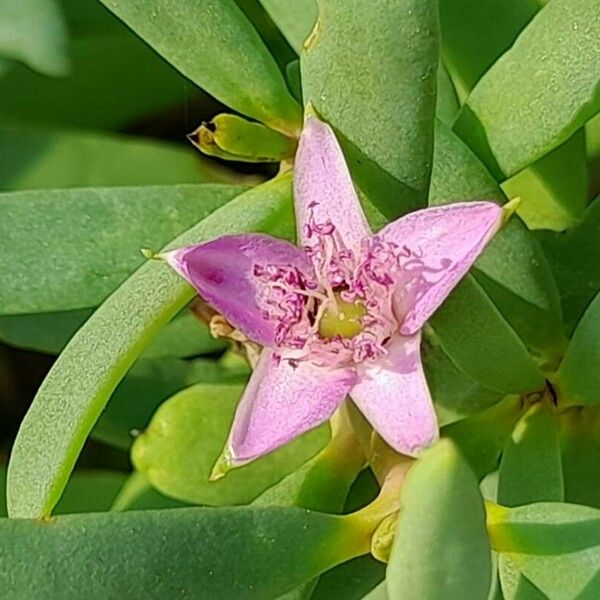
x,y
341,319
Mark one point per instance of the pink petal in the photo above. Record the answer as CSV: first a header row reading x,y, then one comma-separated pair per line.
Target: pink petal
x,y
393,395
443,242
222,272
323,188
282,401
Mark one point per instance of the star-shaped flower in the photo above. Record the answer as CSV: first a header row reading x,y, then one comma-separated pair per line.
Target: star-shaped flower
x,y
340,314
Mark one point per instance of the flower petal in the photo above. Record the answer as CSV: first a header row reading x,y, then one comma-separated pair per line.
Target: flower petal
x,y
393,395
222,271
281,402
440,245
323,188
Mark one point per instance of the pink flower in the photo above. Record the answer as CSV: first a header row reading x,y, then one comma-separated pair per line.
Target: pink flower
x,y
341,314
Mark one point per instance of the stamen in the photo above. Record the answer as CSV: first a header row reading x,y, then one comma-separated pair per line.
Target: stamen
x,y
342,312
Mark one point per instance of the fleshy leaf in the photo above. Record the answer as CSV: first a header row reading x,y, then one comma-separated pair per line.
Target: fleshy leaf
x,y
482,437
562,37
531,469
46,158
554,545
578,378
553,190
479,341
512,270
441,547
580,445
147,385
390,118
213,44
64,265
294,19
476,33
66,406
217,553
34,31
186,435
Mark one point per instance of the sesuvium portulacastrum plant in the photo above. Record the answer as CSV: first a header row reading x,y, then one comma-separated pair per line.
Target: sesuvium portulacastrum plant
x,y
381,383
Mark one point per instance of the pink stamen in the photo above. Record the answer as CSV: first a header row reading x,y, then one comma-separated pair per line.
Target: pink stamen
x,y
297,301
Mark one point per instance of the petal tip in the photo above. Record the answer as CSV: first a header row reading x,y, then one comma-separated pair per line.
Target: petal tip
x,y
147,253
510,208
310,112
222,466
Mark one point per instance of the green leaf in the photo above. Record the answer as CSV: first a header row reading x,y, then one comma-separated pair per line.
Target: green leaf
x,y
545,528
592,146
43,332
138,494
186,437
382,100
82,243
322,483
49,333
580,444
563,577
513,270
515,586
81,382
475,336
551,72
294,19
90,491
457,173
294,78
447,105
183,337
578,379
553,190
530,471
554,545
482,437
34,32
147,385
214,45
378,593
5,66
216,553
115,80
475,33
441,547
455,394
268,31
383,197
531,468
575,260
350,580
42,158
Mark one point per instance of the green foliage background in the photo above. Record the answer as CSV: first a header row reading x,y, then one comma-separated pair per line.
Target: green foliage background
x,y
433,102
